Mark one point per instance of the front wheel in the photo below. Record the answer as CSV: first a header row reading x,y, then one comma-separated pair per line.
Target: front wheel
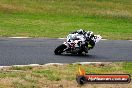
x,y
60,49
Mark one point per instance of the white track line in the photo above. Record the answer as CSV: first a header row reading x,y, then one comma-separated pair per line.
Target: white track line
x,y
4,66
130,40
61,38
104,39
65,38
27,65
87,63
54,64
48,64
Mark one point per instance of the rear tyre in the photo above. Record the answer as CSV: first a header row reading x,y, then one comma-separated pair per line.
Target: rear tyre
x,y
80,52
60,49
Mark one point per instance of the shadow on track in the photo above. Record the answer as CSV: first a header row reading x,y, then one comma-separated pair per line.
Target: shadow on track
x,y
87,56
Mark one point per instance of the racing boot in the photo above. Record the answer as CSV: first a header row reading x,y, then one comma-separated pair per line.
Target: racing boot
x,y
84,48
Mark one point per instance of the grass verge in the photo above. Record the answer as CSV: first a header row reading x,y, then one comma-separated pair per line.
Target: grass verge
x,y
56,18
56,76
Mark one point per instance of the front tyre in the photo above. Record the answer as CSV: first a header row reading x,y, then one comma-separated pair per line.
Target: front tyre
x,y
60,49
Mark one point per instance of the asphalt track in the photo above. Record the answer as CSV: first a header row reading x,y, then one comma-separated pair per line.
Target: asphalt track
x,y
40,51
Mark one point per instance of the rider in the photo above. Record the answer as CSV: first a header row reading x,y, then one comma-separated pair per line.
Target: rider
x,y
84,37
90,39
79,34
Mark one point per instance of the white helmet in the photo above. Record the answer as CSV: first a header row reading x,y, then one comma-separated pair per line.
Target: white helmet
x,y
80,31
89,34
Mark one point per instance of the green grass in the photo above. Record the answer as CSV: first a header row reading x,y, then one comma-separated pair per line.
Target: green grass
x,y
56,18
50,74
22,68
55,76
7,74
128,67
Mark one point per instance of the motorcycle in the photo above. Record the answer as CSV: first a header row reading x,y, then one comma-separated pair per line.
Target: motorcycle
x,y
75,46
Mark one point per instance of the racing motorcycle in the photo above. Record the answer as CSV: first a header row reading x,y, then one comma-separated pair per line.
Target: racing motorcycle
x,y
75,47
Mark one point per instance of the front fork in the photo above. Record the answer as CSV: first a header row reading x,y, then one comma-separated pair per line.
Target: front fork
x,y
67,45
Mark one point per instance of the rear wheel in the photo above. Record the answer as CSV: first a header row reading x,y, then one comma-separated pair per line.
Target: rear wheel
x,y
60,49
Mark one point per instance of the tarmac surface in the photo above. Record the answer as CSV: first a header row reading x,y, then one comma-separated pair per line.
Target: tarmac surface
x,y
41,51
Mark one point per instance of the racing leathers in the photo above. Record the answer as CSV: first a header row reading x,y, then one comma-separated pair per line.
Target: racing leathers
x,y
86,39
80,38
77,35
